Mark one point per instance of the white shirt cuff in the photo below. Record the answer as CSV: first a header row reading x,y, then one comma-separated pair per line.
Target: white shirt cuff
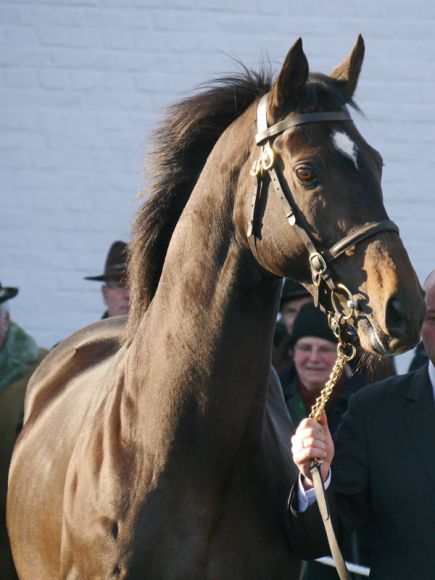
x,y
306,497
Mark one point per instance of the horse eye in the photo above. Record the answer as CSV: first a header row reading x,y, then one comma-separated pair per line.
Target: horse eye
x,y
305,174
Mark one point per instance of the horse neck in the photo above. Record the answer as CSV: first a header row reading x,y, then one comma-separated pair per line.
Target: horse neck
x,y
206,339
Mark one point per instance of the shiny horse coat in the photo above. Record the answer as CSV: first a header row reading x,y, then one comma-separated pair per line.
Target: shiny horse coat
x,y
161,451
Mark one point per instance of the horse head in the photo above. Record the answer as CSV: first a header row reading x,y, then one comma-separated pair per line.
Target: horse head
x,y
317,212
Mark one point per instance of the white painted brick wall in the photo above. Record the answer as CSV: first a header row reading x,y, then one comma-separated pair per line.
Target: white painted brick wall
x,y
81,86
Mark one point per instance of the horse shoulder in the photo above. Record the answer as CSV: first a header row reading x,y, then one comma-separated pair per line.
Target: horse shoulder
x,y
84,350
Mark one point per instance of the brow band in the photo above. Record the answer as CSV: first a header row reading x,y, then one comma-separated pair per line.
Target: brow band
x,y
295,120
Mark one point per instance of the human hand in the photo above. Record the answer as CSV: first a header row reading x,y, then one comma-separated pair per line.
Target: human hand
x,y
312,440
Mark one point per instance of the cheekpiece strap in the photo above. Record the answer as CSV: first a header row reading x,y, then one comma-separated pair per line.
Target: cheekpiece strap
x,y
319,260
262,116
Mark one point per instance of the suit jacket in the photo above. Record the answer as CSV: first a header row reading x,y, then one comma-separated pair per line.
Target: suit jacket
x,y
383,473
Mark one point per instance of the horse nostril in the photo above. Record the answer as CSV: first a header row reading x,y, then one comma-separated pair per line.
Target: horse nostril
x,y
396,319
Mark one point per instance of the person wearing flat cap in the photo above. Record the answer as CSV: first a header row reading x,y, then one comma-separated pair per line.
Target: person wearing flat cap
x,y
115,291
19,357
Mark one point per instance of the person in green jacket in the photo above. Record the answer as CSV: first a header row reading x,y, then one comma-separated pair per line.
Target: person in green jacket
x,y
19,357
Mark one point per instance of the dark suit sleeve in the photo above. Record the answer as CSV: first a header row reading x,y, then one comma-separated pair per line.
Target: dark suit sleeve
x,y
305,530
350,470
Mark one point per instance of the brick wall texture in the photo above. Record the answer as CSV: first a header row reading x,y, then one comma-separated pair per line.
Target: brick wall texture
x,y
82,83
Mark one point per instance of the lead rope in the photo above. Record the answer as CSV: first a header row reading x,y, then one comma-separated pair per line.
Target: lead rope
x,y
345,353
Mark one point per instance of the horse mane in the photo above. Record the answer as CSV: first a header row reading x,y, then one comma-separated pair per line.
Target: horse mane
x,y
179,148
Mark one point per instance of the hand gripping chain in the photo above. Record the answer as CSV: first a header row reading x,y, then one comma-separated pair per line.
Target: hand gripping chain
x,y
345,353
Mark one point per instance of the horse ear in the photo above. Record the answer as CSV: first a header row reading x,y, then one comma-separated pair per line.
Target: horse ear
x,y
292,76
348,71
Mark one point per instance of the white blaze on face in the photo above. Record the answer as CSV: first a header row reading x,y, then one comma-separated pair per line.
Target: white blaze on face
x,y
343,143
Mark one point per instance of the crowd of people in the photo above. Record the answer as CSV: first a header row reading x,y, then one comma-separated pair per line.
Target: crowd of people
x,y
305,350
375,442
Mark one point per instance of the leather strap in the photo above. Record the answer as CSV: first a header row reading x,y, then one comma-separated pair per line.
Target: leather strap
x,y
290,209
361,234
262,116
251,218
319,260
294,120
327,522
318,263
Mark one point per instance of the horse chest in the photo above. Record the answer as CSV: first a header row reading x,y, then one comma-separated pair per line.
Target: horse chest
x,y
180,529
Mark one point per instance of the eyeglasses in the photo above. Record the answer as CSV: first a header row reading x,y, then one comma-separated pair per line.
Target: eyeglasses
x,y
309,348
117,286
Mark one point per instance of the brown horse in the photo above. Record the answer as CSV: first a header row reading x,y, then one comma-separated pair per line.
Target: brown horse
x,y
161,452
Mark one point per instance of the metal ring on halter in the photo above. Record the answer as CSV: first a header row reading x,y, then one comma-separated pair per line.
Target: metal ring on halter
x,y
341,350
349,299
267,157
317,269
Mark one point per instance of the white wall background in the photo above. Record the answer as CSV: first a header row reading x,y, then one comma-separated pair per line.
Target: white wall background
x,y
82,83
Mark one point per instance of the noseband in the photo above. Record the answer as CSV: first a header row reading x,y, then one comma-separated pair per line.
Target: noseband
x,y
319,261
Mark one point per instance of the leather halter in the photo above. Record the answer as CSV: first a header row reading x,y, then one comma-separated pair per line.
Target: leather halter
x,y
325,289
319,261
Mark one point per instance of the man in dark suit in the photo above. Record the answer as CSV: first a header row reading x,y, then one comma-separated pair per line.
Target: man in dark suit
x,y
383,471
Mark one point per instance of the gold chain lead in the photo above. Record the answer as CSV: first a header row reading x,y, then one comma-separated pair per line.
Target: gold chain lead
x,y
345,353
320,403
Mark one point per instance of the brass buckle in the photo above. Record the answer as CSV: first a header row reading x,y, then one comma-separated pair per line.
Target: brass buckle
x,y
264,162
334,325
256,167
267,157
316,271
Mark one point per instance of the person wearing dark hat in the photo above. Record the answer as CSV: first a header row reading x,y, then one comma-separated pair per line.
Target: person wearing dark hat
x,y
19,357
314,349
115,291
293,297
382,469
